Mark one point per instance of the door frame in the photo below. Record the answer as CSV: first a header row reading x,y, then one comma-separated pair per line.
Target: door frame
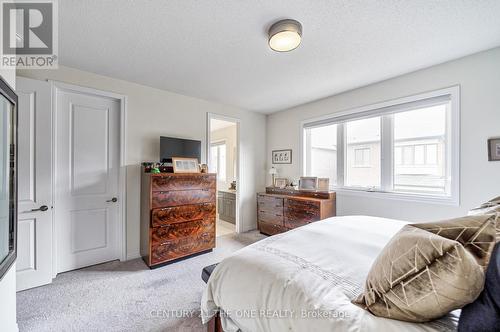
x,y
215,116
57,86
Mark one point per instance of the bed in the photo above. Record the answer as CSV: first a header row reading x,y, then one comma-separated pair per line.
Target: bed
x,y
305,279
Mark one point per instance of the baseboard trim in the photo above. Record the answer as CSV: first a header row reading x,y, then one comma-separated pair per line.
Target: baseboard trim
x,y
133,255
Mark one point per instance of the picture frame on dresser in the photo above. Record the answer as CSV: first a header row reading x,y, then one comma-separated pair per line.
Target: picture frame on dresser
x,y
308,183
280,182
185,165
323,184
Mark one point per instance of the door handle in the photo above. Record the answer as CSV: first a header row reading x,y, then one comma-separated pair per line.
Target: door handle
x,y
112,200
42,208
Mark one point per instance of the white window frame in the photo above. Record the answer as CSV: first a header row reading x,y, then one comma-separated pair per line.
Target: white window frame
x,y
218,144
387,164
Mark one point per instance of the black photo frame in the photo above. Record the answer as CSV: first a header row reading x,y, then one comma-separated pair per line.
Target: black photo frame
x,y
281,156
494,149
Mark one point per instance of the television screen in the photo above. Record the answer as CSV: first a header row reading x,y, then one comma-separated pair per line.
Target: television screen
x,y
178,147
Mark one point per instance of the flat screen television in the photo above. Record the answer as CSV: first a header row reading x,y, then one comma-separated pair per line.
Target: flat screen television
x,y
179,147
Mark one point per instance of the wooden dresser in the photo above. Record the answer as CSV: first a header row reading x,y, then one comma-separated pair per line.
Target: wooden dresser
x,y
279,210
177,216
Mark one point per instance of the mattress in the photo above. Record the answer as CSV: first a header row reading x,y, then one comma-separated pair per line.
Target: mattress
x,y
305,279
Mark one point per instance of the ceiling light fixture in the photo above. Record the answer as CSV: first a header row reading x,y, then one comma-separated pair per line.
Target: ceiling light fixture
x,y
285,35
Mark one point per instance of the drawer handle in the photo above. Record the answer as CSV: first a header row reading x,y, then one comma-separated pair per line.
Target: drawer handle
x,y
206,236
165,243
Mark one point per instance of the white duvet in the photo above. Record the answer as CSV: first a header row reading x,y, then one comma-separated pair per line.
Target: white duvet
x,y
305,279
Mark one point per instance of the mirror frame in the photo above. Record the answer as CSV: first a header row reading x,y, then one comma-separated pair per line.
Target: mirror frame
x,y
8,93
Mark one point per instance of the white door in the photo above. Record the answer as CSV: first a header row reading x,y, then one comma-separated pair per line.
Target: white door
x,y
87,162
34,246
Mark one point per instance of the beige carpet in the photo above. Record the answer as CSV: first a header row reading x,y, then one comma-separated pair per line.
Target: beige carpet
x,y
125,296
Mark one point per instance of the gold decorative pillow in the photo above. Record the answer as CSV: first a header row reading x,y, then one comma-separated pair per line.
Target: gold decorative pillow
x,y
430,269
490,207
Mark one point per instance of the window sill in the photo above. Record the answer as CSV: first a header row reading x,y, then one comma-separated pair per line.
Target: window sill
x,y
407,197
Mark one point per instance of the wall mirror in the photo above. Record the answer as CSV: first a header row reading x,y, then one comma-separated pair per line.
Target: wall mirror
x,y
8,183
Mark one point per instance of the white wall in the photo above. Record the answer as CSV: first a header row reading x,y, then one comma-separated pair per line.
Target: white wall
x,y
479,79
228,135
153,113
8,320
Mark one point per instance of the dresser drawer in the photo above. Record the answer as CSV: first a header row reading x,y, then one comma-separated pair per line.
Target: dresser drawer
x,y
270,217
296,218
299,204
177,214
278,210
182,182
167,250
270,229
301,212
182,230
270,206
160,199
269,200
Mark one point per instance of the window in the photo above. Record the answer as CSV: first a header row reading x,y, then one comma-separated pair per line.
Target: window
x,y
322,152
421,154
218,160
362,157
362,140
421,133
404,148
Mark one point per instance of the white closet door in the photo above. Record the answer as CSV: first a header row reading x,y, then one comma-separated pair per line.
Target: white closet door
x,y
87,168
34,246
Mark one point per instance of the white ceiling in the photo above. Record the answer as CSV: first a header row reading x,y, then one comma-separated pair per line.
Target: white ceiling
x,y
217,50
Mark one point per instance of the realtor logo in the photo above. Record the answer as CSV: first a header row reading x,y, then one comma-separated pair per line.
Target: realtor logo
x,y
29,34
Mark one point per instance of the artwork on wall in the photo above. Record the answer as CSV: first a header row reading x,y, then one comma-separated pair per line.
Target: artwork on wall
x,y
494,149
185,165
282,156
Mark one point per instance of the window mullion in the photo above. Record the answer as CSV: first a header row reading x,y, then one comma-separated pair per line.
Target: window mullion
x,y
387,151
340,155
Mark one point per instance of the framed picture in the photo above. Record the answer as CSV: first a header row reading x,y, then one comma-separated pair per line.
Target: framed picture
x,y
185,165
282,156
280,182
323,184
308,183
494,149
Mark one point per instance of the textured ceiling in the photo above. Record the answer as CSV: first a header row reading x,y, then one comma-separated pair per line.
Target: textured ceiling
x,y
217,50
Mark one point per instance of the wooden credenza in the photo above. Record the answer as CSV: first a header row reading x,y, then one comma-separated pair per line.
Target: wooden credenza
x,y
281,210
177,216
